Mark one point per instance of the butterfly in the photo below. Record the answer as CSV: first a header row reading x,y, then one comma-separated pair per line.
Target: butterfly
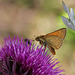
x,y
52,40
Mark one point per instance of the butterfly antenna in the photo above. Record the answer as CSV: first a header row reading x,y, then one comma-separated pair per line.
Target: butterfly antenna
x,y
34,36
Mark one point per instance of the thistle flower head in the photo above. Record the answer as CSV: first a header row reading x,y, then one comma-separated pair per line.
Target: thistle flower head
x,y
17,57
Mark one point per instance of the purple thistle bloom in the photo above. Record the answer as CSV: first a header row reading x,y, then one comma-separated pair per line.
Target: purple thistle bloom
x,y
17,57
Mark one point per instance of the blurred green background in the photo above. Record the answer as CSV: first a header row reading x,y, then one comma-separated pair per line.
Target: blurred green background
x,y
27,18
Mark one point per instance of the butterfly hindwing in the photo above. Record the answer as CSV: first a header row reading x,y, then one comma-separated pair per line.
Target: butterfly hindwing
x,y
52,50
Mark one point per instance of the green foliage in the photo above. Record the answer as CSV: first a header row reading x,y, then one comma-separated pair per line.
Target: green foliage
x,y
70,35
47,5
21,2
29,3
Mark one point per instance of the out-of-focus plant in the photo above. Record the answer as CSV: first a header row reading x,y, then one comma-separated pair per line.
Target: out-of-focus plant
x,y
45,5
70,23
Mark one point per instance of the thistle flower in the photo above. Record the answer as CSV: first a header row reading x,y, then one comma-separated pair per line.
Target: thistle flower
x,y
17,57
70,23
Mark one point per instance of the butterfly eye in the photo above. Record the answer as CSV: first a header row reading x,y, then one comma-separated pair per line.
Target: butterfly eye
x,y
37,39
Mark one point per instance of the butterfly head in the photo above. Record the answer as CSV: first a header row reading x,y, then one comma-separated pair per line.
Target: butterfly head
x,y
37,38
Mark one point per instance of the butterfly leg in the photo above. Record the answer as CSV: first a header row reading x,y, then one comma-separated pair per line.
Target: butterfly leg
x,y
45,45
41,42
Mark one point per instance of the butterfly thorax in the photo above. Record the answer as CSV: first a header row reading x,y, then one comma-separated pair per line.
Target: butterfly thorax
x,y
41,40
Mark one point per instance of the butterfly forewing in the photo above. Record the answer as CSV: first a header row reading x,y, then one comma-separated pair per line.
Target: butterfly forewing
x,y
61,33
54,41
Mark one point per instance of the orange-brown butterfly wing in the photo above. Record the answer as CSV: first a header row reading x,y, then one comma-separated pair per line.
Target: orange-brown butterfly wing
x,y
52,50
54,41
61,33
